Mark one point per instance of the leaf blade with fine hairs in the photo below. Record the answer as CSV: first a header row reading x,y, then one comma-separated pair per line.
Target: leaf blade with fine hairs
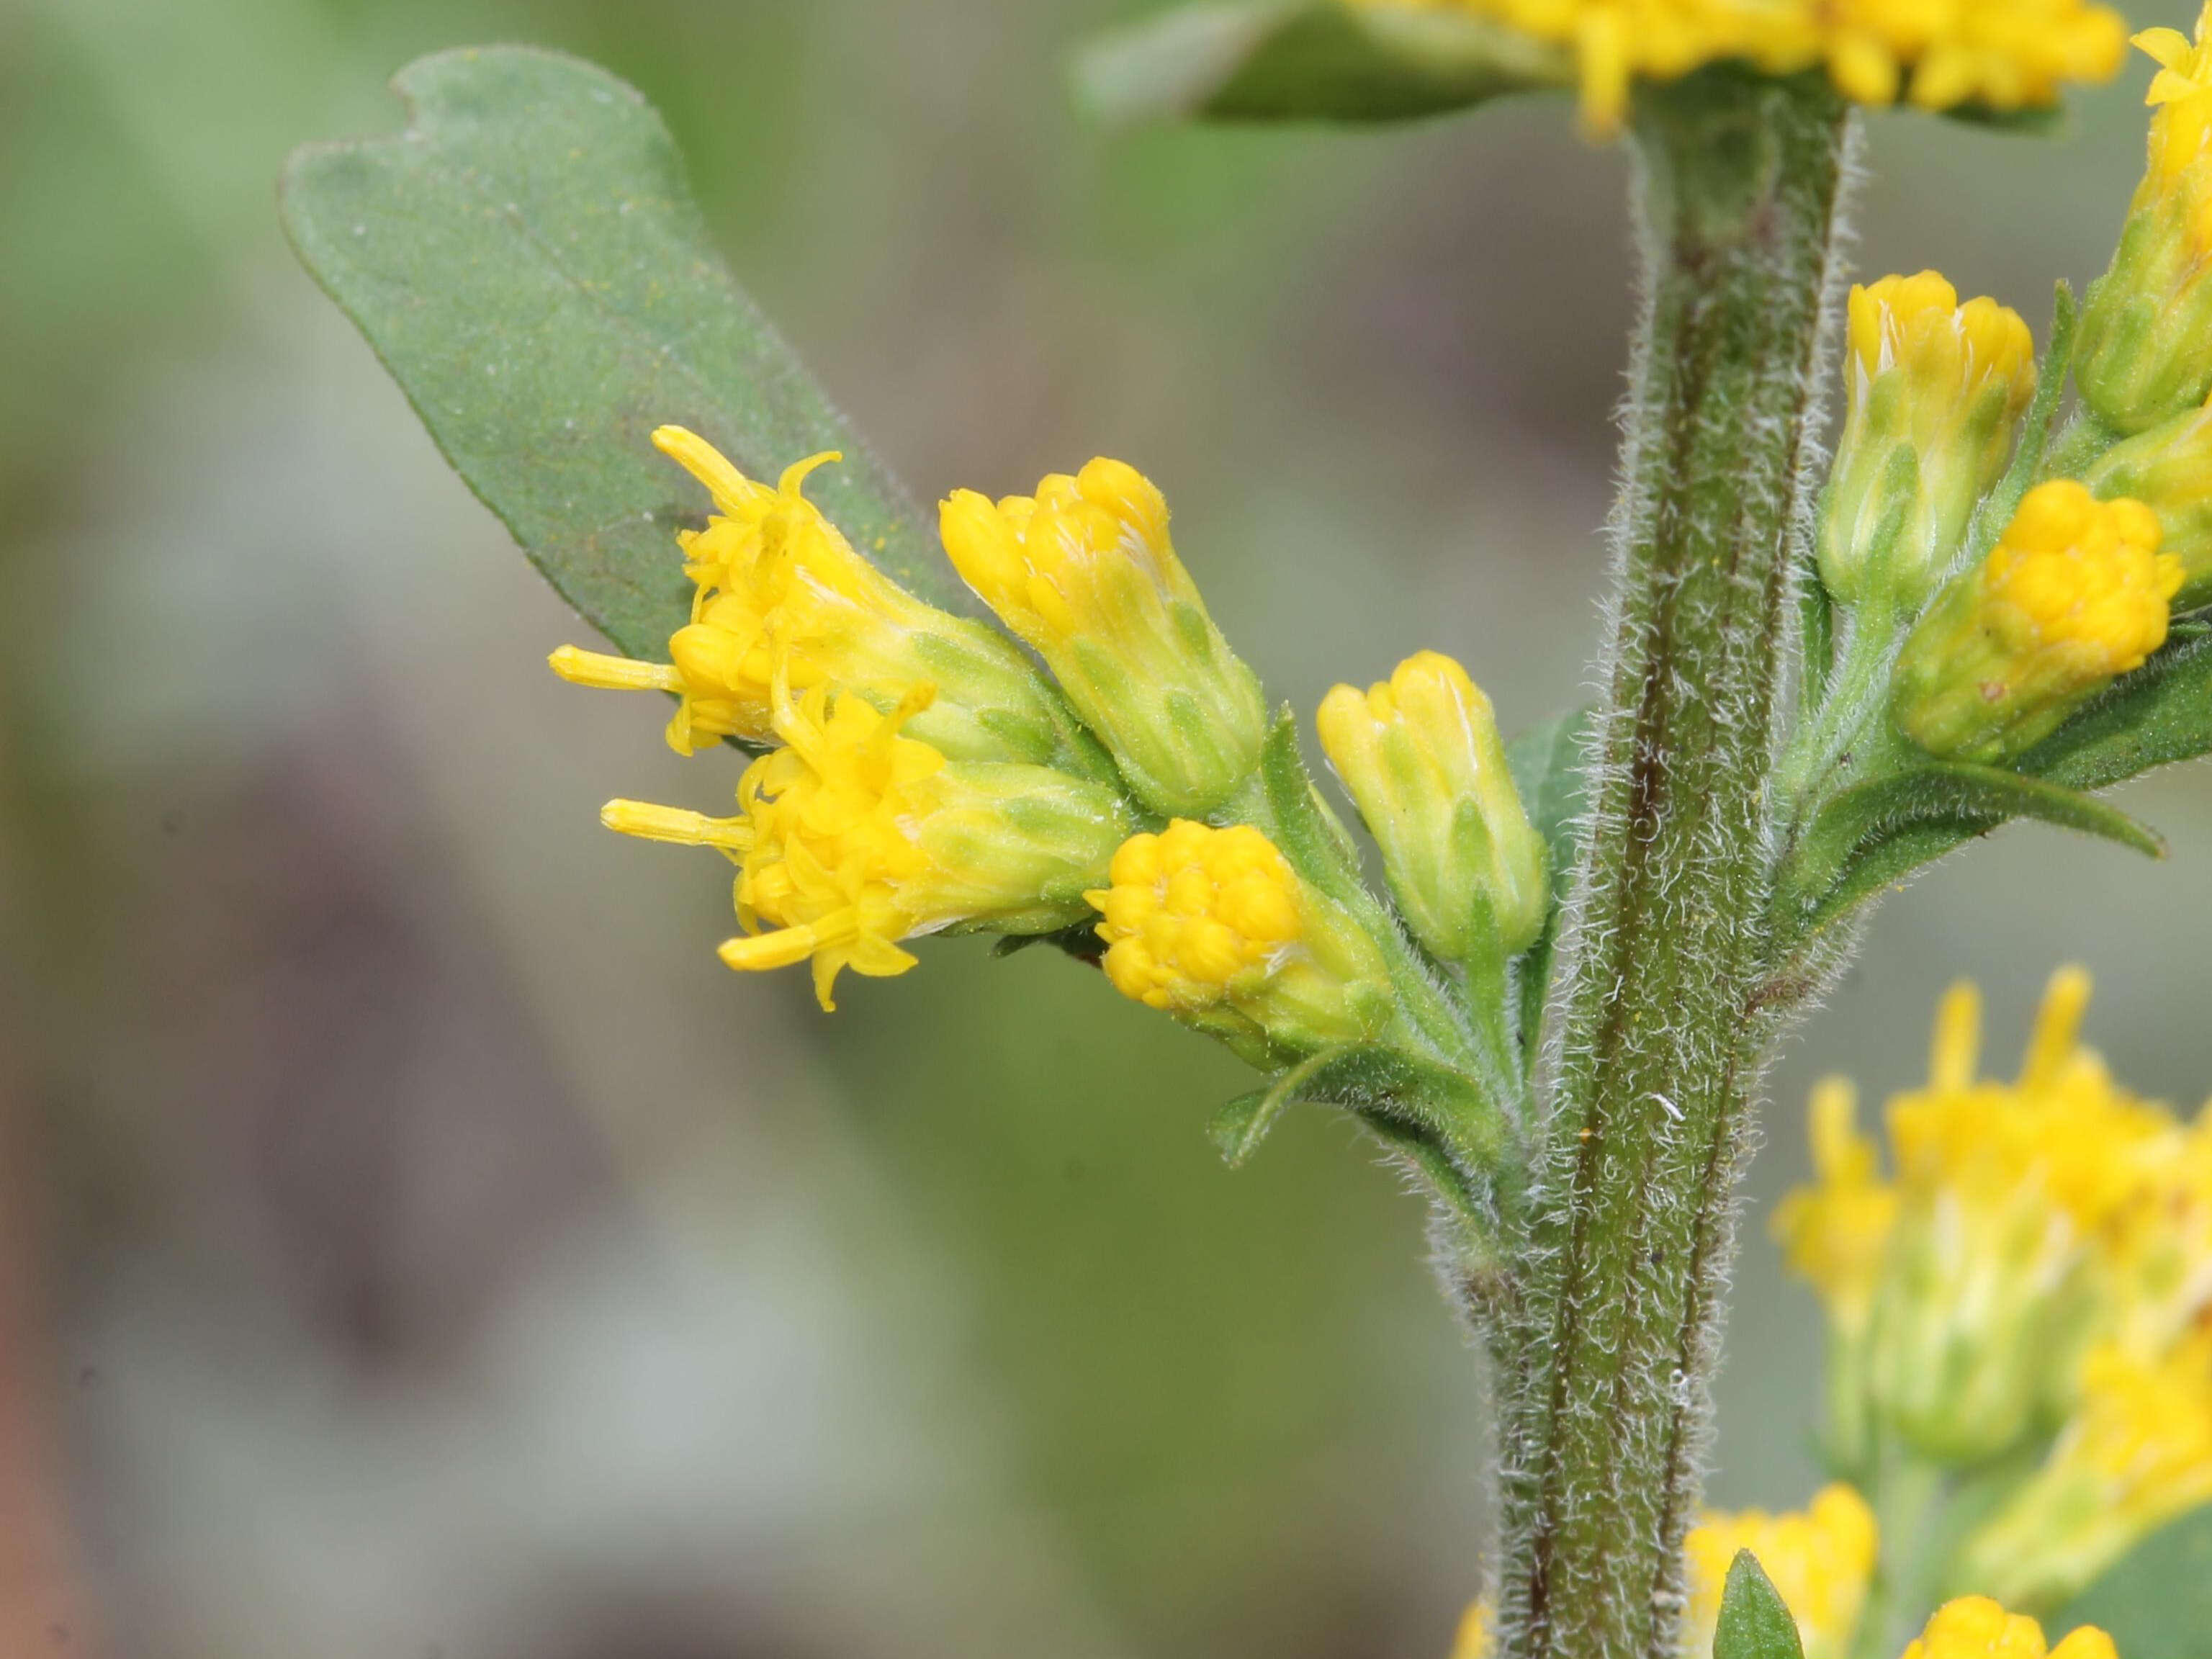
x,y
526,260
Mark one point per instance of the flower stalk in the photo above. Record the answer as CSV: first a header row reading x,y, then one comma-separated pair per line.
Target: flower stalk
x,y
1657,1025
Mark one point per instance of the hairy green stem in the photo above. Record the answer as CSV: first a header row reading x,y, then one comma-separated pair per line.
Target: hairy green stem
x,y
1659,1022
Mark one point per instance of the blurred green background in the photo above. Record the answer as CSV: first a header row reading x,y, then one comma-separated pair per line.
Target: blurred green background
x,y
414,1245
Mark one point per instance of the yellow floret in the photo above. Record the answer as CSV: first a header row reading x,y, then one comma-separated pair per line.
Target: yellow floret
x,y
1820,1560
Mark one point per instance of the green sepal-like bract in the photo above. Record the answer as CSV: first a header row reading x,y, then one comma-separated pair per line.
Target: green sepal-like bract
x,y
1754,1622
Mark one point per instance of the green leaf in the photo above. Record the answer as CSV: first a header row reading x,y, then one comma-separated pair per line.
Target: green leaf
x,y
1856,846
2157,1603
1547,763
1754,1623
1310,60
526,260
1302,823
1386,1087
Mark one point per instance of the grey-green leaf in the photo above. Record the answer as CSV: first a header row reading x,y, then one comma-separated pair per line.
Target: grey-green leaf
x,y
527,261
2157,1603
1310,60
1754,1622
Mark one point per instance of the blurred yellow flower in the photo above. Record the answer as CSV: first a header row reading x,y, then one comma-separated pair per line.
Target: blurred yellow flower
x,y
2003,54
1976,1627
1820,1560
853,836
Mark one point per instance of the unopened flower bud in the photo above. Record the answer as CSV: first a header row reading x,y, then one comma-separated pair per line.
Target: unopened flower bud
x,y
1421,756
2074,593
2169,470
2144,353
1084,572
1935,393
1214,926
778,588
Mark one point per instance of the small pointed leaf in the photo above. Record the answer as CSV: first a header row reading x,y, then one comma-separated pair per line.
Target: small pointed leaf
x,y
1854,846
1385,1086
2161,713
1310,60
1754,1623
527,261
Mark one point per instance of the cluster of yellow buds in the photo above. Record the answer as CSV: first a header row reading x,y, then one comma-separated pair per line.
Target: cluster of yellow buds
x,y
1998,54
2146,347
922,775
2075,593
1978,1627
1935,392
1421,757
2035,1278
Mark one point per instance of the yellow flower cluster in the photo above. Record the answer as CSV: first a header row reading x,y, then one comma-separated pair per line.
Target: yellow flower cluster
x,y
2074,593
922,775
1213,924
1820,1560
2038,1269
2003,54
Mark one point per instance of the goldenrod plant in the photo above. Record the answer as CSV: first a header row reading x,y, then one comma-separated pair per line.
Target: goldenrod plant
x,y
1554,994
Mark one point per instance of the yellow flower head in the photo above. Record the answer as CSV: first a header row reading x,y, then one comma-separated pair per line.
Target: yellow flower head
x,y
2003,54
2142,357
1820,1560
1935,394
2074,593
2021,1216
1975,1628
2169,470
1421,756
855,835
1084,572
1214,925
778,589
2136,1454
